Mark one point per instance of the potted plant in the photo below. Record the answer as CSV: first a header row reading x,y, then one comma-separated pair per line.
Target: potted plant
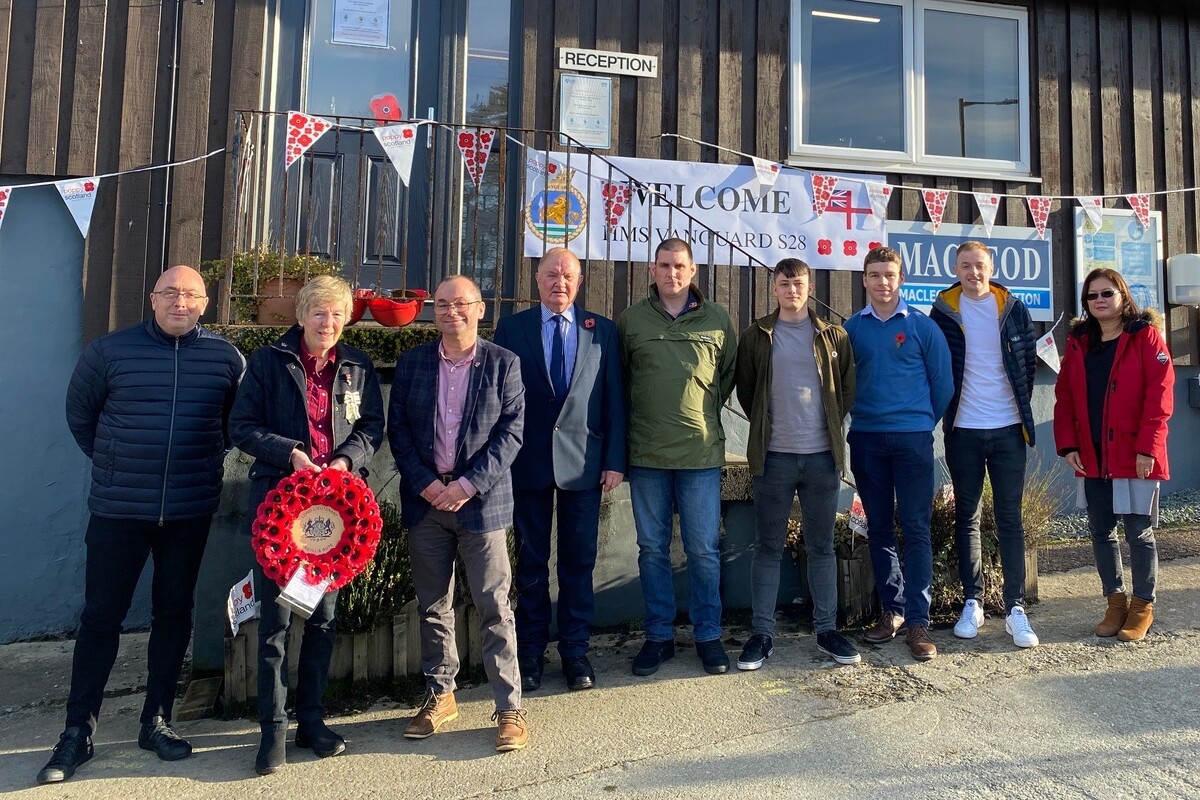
x,y
265,282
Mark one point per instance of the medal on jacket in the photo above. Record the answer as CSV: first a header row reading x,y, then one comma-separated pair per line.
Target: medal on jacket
x,y
353,401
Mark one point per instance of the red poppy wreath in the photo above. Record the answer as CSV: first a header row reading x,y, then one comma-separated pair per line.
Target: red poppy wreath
x,y
326,523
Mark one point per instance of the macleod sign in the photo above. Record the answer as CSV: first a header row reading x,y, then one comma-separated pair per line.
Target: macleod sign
x,y
584,205
1023,262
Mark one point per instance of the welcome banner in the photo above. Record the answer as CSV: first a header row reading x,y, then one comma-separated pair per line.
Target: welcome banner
x,y
565,205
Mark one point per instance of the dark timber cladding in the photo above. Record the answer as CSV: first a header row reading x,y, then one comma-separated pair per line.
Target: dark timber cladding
x,y
99,86
1117,110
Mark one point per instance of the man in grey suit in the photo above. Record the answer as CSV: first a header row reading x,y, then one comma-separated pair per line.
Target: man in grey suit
x,y
454,425
574,448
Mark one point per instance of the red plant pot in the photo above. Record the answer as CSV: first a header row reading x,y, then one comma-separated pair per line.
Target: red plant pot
x,y
361,298
394,313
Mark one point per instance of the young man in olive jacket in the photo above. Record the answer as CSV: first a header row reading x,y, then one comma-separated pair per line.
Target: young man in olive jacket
x,y
795,380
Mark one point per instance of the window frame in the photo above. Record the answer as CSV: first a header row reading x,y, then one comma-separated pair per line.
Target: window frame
x,y
914,159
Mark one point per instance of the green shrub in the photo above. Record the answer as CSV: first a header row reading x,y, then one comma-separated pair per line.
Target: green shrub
x,y
267,266
382,589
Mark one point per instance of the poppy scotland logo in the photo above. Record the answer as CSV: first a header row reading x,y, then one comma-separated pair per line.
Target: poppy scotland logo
x,y
899,339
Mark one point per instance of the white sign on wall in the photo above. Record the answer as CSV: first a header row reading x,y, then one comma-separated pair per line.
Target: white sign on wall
x,y
608,61
1122,244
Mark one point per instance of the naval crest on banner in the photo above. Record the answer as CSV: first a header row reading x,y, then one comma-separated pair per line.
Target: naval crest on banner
x,y
559,212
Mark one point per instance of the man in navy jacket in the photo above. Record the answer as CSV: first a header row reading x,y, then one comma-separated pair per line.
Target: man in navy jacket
x,y
574,448
454,424
149,406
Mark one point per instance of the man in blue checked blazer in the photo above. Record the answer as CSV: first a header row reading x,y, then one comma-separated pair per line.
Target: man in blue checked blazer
x,y
454,424
574,449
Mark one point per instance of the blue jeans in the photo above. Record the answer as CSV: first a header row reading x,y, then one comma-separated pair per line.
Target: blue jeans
x,y
815,477
1001,452
696,494
894,476
1143,550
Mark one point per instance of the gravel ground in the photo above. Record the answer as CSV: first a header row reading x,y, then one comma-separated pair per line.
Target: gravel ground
x,y
1175,510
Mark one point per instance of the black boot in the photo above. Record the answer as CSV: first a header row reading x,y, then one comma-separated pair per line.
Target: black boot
x,y
159,736
73,748
323,741
271,752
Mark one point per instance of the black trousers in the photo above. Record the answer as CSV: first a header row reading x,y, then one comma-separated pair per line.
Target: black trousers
x,y
312,668
117,550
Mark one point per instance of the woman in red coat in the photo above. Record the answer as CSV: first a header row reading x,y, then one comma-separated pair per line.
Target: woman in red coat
x,y
1112,401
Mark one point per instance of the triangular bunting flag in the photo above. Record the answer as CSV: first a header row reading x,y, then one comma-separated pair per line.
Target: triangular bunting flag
x,y
303,130
822,190
935,205
80,196
766,171
1047,350
1039,209
616,201
988,205
858,516
475,147
399,142
4,194
1094,208
1140,203
879,194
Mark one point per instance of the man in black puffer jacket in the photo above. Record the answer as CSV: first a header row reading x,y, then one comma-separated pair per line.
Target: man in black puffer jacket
x,y
988,427
149,406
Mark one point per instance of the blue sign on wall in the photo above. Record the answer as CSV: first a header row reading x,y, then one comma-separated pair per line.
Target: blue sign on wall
x,y
1023,262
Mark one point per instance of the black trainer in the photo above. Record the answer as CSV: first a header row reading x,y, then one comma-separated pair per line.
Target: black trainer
x,y
712,655
531,668
838,647
651,657
158,735
757,650
73,749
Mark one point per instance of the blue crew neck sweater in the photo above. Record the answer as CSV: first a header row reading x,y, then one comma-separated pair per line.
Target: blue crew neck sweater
x,y
903,371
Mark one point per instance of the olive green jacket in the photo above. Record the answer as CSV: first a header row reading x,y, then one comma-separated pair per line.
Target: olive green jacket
x,y
678,375
835,365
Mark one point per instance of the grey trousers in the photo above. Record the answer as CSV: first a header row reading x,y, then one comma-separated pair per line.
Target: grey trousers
x,y
432,544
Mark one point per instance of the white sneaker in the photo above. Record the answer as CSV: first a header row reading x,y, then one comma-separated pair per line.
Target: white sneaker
x,y
1017,625
970,622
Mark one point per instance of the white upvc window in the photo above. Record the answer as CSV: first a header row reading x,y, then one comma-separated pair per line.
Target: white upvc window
x,y
933,86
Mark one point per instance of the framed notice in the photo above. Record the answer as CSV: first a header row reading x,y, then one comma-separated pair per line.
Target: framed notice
x,y
585,110
361,23
1121,243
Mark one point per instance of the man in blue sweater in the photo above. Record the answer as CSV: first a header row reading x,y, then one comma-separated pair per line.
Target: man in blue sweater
x,y
904,386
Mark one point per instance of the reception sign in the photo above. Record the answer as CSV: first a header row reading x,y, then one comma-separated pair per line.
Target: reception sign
x,y
570,203
1023,262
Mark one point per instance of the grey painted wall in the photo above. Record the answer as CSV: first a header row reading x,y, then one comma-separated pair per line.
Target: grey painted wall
x,y
45,478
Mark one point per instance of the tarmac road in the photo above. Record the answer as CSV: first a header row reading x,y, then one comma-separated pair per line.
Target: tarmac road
x,y
1076,717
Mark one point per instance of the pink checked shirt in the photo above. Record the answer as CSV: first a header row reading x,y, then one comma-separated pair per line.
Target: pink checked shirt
x,y
453,379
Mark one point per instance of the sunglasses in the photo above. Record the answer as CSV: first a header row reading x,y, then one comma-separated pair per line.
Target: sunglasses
x,y
1106,294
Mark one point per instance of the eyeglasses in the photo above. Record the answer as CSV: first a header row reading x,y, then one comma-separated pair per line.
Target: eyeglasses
x,y
1106,294
171,295
441,306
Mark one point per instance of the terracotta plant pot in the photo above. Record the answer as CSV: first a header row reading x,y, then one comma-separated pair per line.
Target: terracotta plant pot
x,y
277,306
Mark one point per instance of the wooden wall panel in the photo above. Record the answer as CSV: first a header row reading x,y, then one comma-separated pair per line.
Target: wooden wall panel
x,y
84,123
18,87
192,123
46,86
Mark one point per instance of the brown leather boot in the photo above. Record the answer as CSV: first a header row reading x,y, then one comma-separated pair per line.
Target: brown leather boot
x,y
919,643
512,731
1141,616
436,711
885,629
1114,617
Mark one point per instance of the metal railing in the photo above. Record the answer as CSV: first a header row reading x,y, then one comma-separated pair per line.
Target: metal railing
x,y
343,206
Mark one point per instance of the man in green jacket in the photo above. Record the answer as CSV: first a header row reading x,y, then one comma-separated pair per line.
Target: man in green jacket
x,y
679,352
795,379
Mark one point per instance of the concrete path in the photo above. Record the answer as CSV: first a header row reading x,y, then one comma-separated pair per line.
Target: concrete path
x,y
1075,717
